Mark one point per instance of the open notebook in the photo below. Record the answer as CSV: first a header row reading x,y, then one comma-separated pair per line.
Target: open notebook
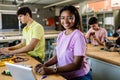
x,y
20,72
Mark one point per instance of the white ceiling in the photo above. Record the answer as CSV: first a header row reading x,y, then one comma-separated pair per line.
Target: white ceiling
x,y
42,1
48,3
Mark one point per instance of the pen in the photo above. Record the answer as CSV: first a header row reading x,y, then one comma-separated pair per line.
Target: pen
x,y
43,76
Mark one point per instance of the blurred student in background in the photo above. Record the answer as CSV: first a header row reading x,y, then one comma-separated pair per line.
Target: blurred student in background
x,y
96,34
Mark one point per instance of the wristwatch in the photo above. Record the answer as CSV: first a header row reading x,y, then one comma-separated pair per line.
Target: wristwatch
x,y
55,69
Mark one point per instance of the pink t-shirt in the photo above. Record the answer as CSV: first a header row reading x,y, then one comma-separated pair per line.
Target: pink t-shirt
x,y
69,46
101,34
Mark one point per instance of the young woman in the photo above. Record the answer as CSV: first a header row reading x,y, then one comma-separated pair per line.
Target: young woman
x,y
70,50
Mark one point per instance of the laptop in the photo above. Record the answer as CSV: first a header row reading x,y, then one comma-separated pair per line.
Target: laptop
x,y
20,72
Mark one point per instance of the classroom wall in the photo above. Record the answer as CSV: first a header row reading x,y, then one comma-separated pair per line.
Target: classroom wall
x,y
117,18
100,5
40,15
43,13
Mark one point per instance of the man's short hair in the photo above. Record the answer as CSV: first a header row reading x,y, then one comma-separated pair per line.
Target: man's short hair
x,y
24,10
93,20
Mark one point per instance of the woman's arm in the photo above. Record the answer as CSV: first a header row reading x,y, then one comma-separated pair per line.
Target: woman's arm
x,y
77,63
43,68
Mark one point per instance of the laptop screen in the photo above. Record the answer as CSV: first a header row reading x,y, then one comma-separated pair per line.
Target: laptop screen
x,y
20,72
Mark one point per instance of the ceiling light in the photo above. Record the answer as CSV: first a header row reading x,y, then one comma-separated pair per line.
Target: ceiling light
x,y
6,5
58,3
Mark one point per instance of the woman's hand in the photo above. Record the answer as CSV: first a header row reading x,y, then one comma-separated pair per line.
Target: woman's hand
x,y
45,70
37,67
41,69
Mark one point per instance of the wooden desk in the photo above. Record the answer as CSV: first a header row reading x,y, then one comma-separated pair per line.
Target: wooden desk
x,y
8,39
31,62
17,33
105,65
109,57
49,36
13,38
11,33
52,32
54,44
112,38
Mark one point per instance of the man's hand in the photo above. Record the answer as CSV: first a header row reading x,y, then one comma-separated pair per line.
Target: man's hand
x,y
4,50
94,36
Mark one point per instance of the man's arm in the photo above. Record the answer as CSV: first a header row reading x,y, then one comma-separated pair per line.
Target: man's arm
x,y
102,41
18,46
6,50
87,35
27,48
98,40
